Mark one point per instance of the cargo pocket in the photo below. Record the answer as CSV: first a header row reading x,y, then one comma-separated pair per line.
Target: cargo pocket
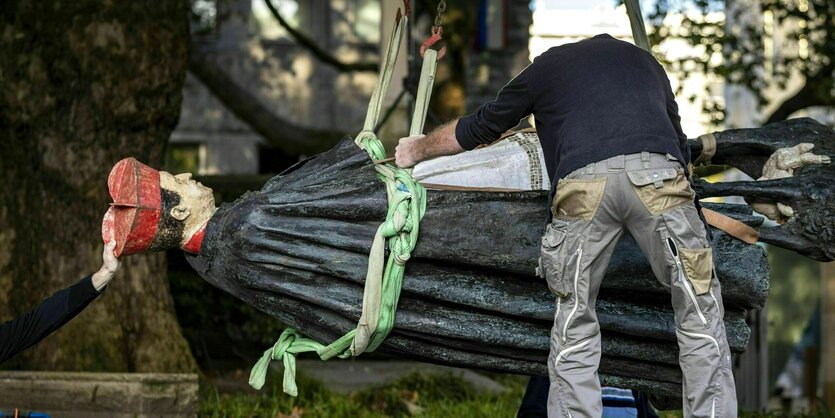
x,y
578,198
683,277
698,266
661,189
552,258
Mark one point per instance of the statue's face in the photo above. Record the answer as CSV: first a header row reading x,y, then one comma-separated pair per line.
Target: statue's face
x,y
189,189
197,202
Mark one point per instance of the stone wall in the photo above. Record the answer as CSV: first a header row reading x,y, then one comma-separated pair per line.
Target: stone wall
x,y
99,395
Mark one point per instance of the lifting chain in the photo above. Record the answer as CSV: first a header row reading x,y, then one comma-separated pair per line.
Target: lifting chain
x,y
439,14
437,32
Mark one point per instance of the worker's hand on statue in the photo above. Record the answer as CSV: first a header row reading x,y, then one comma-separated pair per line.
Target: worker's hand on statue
x,y
110,263
406,154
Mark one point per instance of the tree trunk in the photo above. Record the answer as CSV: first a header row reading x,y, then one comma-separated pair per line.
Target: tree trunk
x,y
82,85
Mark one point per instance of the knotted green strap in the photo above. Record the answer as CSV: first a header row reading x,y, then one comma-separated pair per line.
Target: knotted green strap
x,y
406,207
407,204
288,345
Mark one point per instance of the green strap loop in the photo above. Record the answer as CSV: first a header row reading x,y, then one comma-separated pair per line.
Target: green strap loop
x,y
407,205
375,105
285,349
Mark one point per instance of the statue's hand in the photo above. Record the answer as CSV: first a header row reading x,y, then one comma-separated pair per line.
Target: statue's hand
x,y
790,159
785,210
781,164
810,158
769,210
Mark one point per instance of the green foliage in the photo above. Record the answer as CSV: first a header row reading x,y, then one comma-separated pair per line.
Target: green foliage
x,y
182,158
415,395
773,414
761,48
793,297
219,328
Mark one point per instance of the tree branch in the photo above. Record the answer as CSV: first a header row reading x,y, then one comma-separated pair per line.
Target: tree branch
x,y
813,93
802,99
316,50
287,135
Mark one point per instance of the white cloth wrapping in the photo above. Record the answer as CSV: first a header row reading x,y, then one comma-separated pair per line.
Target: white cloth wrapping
x,y
514,163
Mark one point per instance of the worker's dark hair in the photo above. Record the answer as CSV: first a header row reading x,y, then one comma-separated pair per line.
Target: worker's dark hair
x,y
169,230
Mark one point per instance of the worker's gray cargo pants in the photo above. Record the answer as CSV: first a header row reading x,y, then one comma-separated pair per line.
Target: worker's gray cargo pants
x,y
648,195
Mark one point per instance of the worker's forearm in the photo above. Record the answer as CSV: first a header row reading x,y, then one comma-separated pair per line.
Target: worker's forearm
x,y
440,142
414,149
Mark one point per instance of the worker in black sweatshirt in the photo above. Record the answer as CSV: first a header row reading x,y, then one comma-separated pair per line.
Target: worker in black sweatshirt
x,y
21,333
618,160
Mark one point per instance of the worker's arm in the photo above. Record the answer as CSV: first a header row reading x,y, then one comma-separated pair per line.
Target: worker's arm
x,y
35,325
484,126
414,149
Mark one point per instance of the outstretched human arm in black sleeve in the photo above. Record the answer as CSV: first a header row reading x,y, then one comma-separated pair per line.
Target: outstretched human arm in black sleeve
x,y
33,326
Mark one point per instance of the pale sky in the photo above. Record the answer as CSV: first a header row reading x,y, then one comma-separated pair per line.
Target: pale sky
x,y
646,5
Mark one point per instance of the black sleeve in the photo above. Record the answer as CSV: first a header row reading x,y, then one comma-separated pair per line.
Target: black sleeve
x,y
675,119
493,118
33,326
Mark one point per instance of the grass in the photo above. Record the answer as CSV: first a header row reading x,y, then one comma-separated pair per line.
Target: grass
x,y
773,414
418,395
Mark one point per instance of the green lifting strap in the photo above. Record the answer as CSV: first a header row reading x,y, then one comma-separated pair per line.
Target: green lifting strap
x,y
636,21
424,91
407,205
375,106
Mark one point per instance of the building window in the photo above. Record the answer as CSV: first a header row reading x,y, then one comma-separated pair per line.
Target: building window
x,y
183,157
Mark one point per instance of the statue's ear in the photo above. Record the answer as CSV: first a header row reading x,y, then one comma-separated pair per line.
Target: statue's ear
x,y
180,212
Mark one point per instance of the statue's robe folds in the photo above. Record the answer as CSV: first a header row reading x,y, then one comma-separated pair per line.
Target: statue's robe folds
x,y
298,250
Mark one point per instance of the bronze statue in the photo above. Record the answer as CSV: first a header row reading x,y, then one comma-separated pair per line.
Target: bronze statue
x,y
297,249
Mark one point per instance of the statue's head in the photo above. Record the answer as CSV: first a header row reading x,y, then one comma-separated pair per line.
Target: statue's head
x,y
154,210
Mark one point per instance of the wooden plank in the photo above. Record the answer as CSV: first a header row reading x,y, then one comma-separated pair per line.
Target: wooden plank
x,y
79,394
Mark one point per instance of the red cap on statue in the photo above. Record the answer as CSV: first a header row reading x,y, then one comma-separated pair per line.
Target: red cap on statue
x,y
134,215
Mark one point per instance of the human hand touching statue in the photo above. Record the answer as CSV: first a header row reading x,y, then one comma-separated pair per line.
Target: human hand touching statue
x,y
109,266
407,152
416,148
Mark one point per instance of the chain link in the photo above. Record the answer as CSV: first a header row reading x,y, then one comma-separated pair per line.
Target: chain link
x,y
441,9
